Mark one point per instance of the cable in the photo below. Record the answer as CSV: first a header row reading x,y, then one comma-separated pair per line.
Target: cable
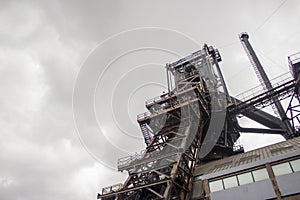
x,y
269,17
268,58
289,37
232,77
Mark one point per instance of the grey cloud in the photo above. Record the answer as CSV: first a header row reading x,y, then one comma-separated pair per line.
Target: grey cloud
x,y
42,46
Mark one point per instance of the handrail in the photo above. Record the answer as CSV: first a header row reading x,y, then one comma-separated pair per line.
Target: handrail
x,y
166,96
175,105
282,91
142,155
143,115
112,188
292,60
186,59
130,158
294,56
156,99
248,94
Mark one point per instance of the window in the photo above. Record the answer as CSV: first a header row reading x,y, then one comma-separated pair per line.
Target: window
x,y
245,178
281,169
216,185
260,174
230,182
295,165
254,176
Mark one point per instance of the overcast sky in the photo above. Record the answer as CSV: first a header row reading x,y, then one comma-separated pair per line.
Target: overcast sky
x,y
100,56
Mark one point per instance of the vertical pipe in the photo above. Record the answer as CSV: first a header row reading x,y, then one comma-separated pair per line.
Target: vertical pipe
x,y
261,72
265,81
168,78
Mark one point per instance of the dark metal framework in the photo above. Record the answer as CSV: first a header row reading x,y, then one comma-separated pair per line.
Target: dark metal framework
x,y
196,114
264,80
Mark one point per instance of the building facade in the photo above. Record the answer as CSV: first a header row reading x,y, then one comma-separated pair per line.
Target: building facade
x,y
271,172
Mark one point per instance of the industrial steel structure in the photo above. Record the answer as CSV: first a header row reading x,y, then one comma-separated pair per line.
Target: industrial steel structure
x,y
195,123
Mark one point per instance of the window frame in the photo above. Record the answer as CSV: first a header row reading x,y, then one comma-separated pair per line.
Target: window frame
x,y
278,170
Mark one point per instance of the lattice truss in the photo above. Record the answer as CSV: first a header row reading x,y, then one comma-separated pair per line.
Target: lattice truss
x,y
173,129
177,126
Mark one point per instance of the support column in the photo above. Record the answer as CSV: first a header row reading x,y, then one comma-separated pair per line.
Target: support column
x,y
274,181
264,80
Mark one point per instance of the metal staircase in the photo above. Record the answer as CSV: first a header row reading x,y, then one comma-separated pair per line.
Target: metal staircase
x,y
195,122
173,129
147,133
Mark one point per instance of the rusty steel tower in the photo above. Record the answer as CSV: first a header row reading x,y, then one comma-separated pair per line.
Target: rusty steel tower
x,y
194,123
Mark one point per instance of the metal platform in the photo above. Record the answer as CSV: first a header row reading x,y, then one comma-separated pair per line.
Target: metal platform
x,y
181,125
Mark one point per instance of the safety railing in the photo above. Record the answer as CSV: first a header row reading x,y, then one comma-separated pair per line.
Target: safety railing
x,y
112,188
163,108
144,156
166,105
294,58
156,99
188,58
284,78
238,148
130,158
167,95
143,115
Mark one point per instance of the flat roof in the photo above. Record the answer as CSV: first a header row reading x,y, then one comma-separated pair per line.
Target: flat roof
x,y
260,156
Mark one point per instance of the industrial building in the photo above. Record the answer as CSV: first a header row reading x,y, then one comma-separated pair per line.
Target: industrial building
x,y
191,134
271,172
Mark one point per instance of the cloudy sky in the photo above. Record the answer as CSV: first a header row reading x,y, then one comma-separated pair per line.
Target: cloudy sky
x,y
74,75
